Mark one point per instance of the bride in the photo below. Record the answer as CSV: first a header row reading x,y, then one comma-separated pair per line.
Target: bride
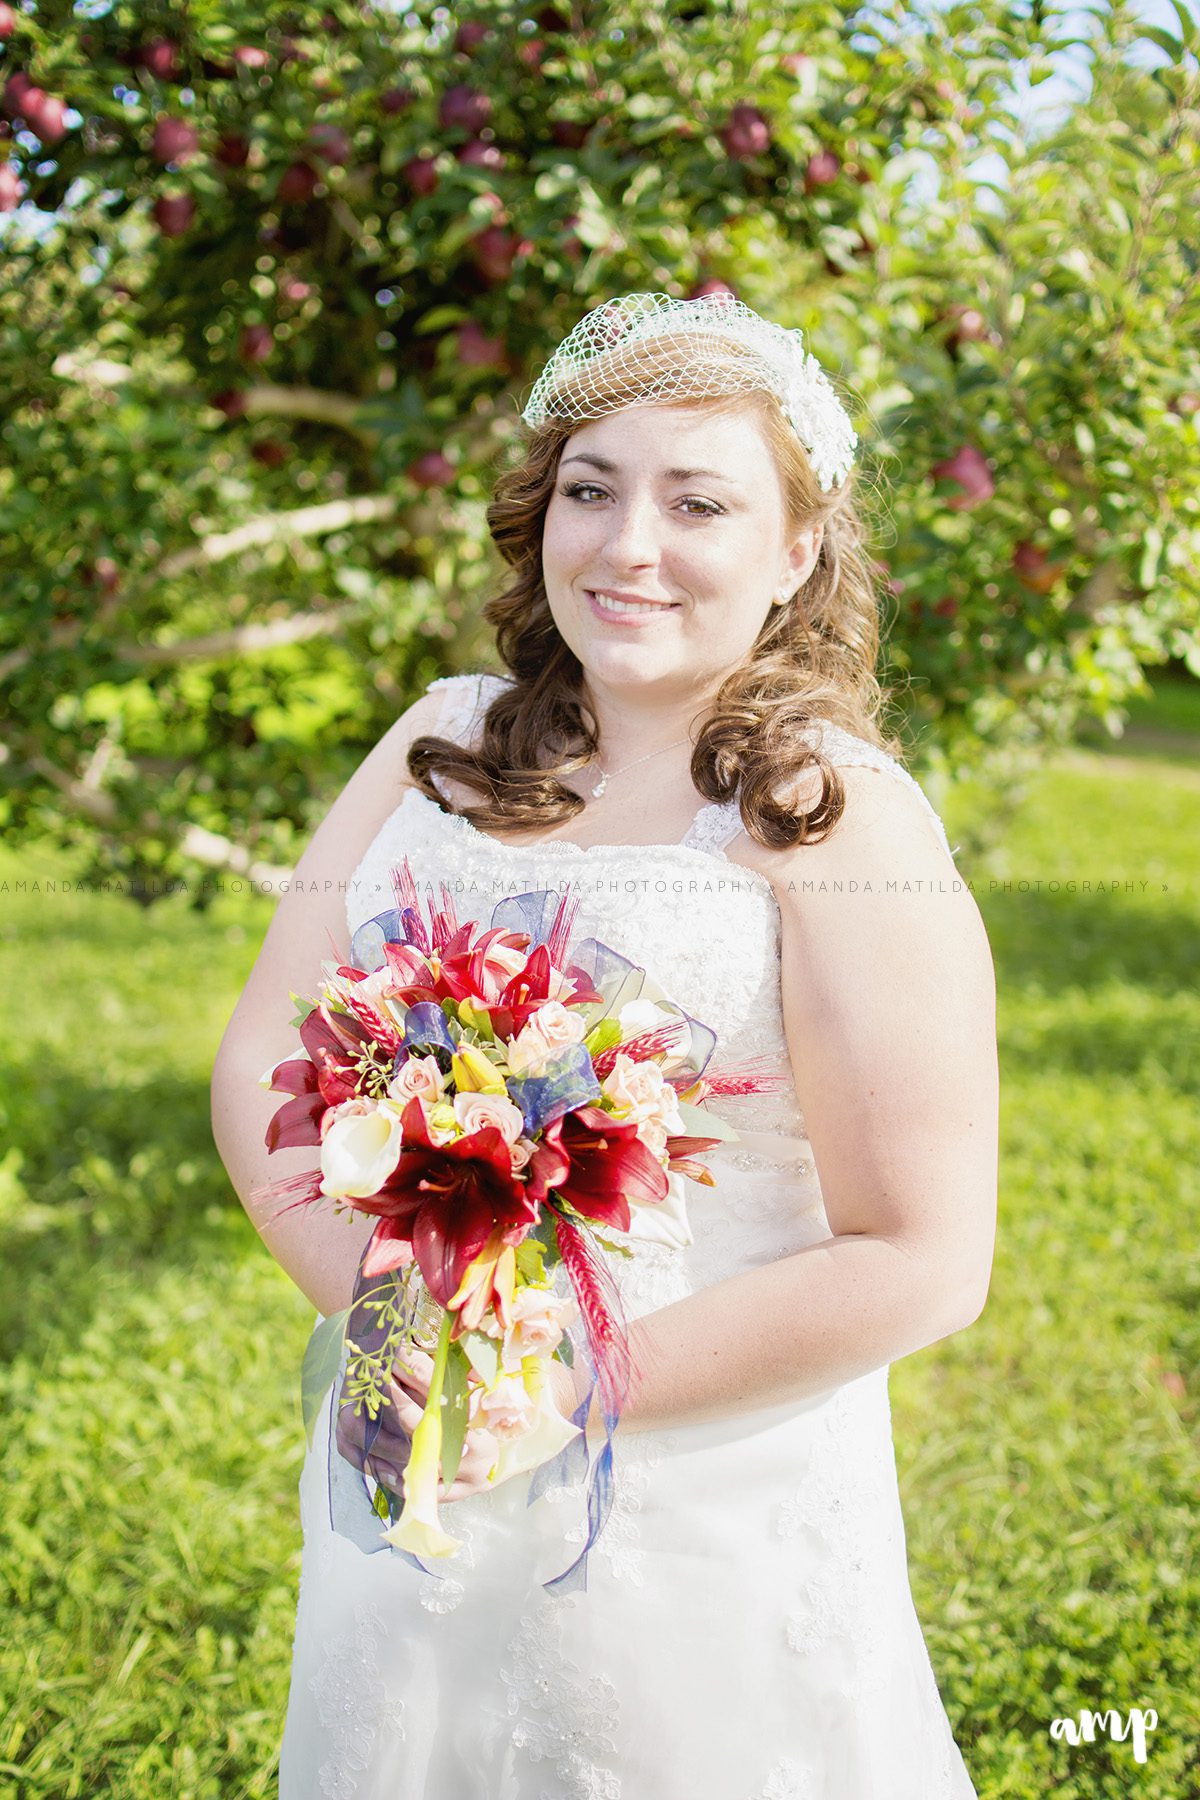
x,y
685,730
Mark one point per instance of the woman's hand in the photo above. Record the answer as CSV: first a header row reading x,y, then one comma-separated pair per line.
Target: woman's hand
x,y
407,1393
408,1389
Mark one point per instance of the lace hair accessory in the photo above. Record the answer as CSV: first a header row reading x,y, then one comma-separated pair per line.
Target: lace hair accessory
x,y
606,341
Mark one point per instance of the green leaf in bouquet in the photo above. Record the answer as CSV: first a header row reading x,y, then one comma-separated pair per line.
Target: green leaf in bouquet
x,y
531,1259
483,1354
565,1351
699,1122
322,1358
546,1236
602,1036
454,1409
303,1007
607,1243
379,1504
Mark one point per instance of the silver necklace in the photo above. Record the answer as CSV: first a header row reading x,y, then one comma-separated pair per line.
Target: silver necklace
x,y
605,776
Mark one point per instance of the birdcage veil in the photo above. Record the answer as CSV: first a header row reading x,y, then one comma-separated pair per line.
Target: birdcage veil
x,y
647,347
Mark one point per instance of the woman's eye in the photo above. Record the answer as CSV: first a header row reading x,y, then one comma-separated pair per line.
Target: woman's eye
x,y
577,489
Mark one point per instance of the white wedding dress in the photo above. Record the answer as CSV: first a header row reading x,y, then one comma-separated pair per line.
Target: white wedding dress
x,y
747,1631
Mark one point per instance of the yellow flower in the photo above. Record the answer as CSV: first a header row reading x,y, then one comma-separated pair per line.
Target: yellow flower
x,y
474,1074
418,1528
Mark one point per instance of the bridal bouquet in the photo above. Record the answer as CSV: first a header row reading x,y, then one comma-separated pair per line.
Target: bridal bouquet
x,y
502,1102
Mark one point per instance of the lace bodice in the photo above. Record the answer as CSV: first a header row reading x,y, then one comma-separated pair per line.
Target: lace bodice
x,y
707,929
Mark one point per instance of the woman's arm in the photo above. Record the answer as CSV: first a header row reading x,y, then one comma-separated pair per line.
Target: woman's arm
x,y
889,1010
319,1249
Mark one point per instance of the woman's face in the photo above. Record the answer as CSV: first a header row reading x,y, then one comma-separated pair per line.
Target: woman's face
x,y
683,517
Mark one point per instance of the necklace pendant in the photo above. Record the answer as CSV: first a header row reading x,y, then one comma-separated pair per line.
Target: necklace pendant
x,y
600,787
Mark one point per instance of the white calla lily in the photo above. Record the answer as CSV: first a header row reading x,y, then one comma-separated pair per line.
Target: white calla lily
x,y
663,1221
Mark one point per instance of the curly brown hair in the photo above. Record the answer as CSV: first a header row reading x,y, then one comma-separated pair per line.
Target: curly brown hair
x,y
814,658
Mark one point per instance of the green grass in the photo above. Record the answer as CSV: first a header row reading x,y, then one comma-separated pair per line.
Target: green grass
x,y
149,1551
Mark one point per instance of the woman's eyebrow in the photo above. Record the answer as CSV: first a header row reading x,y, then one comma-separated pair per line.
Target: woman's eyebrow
x,y
610,468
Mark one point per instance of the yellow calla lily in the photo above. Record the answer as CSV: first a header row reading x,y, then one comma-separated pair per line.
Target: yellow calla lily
x,y
418,1528
474,1073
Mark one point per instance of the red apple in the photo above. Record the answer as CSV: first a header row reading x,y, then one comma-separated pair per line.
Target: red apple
x,y
396,100
464,107
270,452
297,183
431,470
45,114
255,343
8,22
495,250
331,144
421,174
12,188
173,213
569,134
470,34
476,350
968,324
233,149
946,608
1034,567
746,133
973,473
230,401
103,573
821,169
479,154
161,57
15,90
174,139
531,52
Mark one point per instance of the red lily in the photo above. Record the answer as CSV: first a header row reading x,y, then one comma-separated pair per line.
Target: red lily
x,y
443,1204
610,1165
328,1076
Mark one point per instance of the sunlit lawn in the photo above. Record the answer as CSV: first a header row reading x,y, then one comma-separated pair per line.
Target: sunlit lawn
x,y
149,1544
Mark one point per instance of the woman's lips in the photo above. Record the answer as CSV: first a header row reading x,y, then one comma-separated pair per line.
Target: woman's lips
x,y
642,616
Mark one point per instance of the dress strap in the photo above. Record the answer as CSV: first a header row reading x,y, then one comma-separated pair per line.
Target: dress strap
x,y
843,747
465,699
717,824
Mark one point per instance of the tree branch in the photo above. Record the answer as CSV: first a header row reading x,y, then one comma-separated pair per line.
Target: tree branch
x,y
203,846
239,639
267,528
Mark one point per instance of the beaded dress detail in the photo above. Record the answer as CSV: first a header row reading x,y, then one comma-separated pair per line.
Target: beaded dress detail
x,y
747,1631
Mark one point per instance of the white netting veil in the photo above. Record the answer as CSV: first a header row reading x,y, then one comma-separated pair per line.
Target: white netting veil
x,y
641,348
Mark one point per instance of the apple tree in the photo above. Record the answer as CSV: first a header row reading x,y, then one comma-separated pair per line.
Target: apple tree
x,y
275,285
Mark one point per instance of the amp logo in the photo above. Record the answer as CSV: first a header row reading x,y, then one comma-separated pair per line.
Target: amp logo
x,y
1134,1727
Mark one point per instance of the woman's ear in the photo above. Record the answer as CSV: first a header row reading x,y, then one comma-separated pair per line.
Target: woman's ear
x,y
803,557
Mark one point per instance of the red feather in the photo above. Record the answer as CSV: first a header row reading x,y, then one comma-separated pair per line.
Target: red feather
x,y
601,1310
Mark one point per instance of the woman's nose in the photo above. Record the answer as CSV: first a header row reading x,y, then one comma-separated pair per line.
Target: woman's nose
x,y
633,532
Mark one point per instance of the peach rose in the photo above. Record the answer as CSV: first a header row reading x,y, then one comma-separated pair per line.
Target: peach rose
x,y
538,1320
506,1408
548,1031
640,1093
474,1111
418,1079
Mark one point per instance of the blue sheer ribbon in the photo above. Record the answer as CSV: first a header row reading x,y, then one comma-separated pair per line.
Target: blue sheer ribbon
x,y
350,1489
